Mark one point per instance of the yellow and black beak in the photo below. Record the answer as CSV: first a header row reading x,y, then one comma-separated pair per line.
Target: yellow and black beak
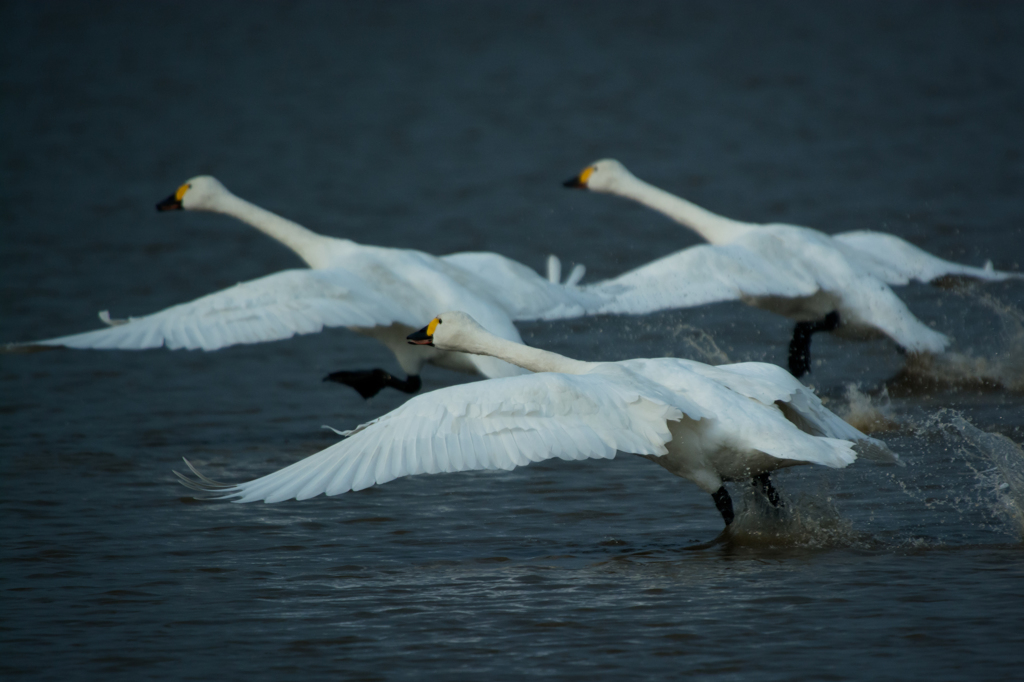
x,y
425,336
579,181
169,204
173,202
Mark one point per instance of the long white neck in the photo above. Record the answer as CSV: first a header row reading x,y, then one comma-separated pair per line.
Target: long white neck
x,y
714,228
481,342
309,245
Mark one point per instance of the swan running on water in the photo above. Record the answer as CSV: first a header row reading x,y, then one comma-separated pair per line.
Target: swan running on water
x,y
707,424
838,284
384,293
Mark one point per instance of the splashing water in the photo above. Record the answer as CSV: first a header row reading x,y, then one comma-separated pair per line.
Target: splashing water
x,y
701,344
1003,478
868,414
989,495
1001,369
808,520
991,465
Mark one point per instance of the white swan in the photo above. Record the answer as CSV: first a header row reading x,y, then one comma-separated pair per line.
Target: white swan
x,y
706,424
825,283
381,292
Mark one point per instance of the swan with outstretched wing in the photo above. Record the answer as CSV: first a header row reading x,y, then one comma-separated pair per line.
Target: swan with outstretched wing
x,y
838,284
707,424
384,293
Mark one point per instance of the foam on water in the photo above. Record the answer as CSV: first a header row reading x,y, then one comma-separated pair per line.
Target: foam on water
x,y
1001,367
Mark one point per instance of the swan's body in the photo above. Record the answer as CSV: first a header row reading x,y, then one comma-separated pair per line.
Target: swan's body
x,y
384,293
798,272
706,424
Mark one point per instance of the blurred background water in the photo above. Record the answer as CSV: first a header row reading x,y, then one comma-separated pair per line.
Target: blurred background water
x,y
448,127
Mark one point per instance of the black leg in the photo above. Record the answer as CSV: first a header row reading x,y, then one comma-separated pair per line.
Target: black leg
x,y
724,504
800,349
370,382
800,345
764,481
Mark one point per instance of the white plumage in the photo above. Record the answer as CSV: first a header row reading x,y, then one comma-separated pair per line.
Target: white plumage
x,y
381,292
795,271
706,424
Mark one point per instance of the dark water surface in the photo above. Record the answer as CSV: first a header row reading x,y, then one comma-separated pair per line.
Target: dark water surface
x,y
448,127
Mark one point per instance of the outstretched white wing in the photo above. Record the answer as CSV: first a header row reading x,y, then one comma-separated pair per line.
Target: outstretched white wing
x,y
274,307
496,424
872,303
523,293
699,275
862,299
896,261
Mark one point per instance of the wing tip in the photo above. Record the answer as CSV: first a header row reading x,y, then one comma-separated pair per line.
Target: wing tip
x,y
204,484
875,450
24,348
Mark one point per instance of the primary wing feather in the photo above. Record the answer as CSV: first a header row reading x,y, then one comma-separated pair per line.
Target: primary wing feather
x,y
270,308
498,424
897,261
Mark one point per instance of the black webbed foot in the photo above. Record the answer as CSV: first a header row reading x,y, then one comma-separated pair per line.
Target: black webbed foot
x,y
800,345
370,382
764,482
724,504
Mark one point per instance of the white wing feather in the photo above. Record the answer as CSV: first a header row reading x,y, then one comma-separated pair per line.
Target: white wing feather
x,y
498,424
505,423
872,303
863,300
790,262
697,276
523,293
896,261
726,391
274,307
769,384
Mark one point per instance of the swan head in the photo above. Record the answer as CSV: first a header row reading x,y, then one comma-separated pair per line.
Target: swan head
x,y
450,331
201,193
606,175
